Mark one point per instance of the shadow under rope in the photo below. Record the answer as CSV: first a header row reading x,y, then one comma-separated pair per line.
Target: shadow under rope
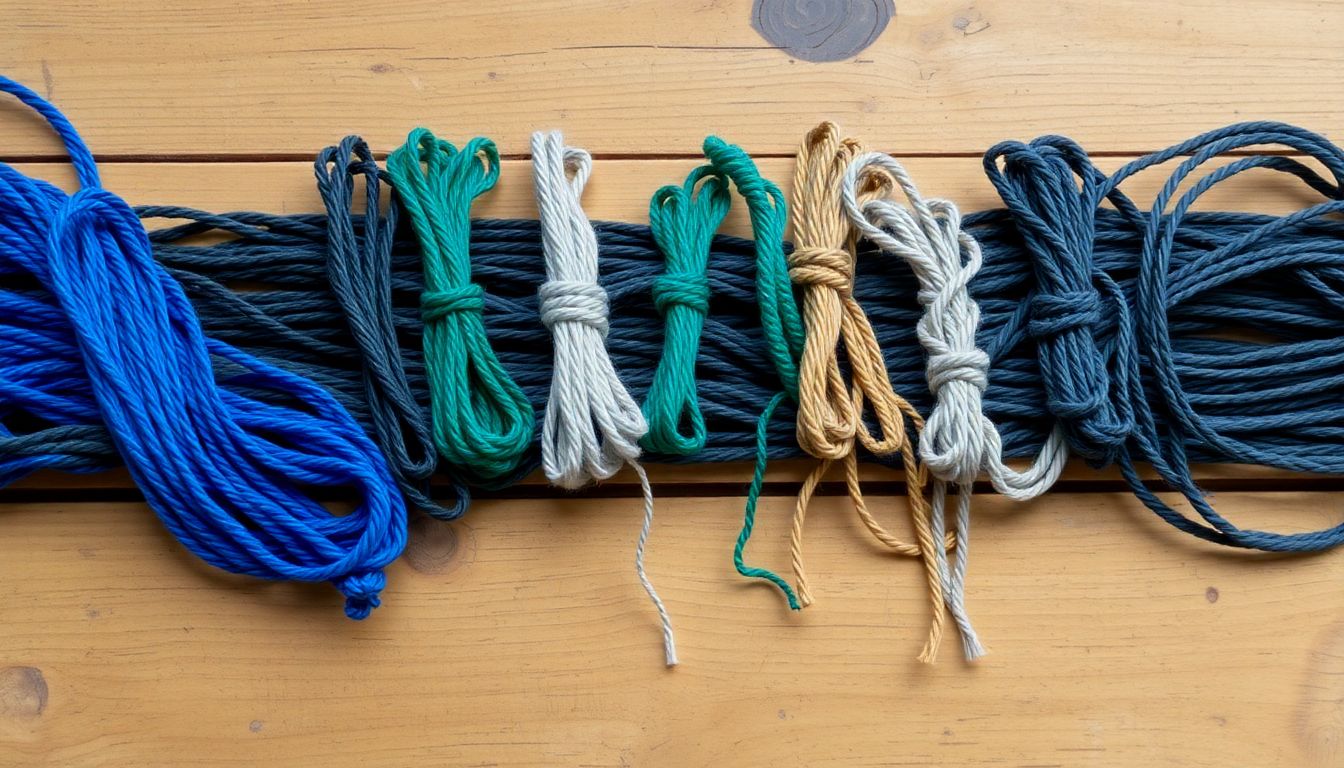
x,y
124,492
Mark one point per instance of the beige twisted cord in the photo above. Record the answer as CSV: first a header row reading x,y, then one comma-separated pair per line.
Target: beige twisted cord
x,y
830,411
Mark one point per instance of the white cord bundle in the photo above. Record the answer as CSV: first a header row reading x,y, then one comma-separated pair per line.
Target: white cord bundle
x,y
959,439
592,425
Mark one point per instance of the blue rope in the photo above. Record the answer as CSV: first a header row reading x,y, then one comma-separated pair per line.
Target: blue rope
x,y
94,333
1118,364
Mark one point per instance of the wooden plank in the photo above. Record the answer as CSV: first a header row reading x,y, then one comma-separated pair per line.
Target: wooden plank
x,y
521,637
649,77
619,189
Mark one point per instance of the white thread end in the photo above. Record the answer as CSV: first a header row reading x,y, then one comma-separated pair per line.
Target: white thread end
x,y
971,647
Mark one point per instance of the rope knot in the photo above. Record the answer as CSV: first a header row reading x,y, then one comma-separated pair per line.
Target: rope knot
x,y
685,289
1078,383
969,366
1054,314
362,592
573,301
436,306
829,267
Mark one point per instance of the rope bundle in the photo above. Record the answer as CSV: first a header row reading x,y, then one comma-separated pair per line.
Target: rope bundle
x,y
592,426
106,335
831,411
483,423
1133,363
1073,320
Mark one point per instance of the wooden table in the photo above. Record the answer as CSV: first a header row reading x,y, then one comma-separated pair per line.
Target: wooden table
x,y
520,636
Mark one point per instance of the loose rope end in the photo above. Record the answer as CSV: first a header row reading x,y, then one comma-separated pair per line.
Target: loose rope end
x,y
362,592
669,637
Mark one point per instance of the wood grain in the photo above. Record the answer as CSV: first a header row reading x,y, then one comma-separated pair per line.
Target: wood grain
x,y
619,189
647,77
523,638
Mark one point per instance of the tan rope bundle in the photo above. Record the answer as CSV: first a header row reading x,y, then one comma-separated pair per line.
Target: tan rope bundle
x,y
830,410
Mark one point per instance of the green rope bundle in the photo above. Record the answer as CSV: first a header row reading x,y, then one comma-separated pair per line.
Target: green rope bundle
x,y
780,319
683,221
482,422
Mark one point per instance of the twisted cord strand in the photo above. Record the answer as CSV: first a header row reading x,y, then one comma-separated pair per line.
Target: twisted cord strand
x,y
780,320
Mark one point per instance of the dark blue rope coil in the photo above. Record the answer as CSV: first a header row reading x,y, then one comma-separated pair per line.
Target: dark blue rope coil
x,y
1115,375
94,333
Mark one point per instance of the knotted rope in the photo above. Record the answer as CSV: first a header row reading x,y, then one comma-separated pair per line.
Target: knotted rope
x,y
1125,393
592,425
830,410
683,221
958,440
483,424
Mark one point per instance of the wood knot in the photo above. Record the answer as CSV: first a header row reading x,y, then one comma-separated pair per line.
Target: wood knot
x,y
435,547
23,693
822,30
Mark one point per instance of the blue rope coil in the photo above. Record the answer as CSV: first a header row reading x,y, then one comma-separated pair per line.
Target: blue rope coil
x,y
93,332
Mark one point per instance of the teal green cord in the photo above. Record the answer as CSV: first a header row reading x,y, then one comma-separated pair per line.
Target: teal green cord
x,y
683,222
780,319
753,498
482,422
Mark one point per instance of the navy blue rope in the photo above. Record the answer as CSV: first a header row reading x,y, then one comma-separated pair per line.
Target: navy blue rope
x,y
359,270
1129,384
101,345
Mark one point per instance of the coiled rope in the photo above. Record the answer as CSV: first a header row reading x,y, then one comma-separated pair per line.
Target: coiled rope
x,y
106,335
592,426
483,423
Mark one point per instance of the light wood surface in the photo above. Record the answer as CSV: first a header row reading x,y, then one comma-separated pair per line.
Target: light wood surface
x,y
519,636
647,76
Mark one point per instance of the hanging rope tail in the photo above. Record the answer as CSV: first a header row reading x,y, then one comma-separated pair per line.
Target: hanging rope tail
x,y
779,315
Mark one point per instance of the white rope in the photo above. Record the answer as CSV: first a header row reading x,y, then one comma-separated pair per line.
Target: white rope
x,y
592,425
958,440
